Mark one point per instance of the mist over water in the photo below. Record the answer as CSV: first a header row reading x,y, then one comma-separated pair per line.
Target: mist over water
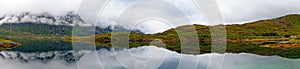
x,y
142,55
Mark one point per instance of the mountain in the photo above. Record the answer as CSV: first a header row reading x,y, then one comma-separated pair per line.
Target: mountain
x,y
288,25
70,19
45,32
45,57
47,24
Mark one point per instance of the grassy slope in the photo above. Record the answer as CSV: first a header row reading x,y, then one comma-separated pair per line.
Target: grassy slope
x,y
287,25
279,27
32,28
273,28
5,41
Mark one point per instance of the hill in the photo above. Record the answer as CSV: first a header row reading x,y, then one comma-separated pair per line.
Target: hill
x,y
285,26
273,28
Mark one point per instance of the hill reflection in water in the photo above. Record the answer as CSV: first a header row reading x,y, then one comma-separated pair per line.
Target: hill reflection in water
x,y
167,59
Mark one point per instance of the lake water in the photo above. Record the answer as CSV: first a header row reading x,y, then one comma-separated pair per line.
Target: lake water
x,y
144,57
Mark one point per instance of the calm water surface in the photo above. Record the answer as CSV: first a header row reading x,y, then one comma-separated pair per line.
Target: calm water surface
x,y
143,57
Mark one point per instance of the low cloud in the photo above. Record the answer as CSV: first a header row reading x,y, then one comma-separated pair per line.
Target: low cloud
x,y
241,11
55,7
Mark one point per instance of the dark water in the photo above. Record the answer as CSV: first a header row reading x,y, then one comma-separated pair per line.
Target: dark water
x,y
43,45
50,45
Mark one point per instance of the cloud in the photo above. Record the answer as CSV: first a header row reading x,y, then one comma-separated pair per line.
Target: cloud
x,y
55,7
129,14
175,12
241,11
233,12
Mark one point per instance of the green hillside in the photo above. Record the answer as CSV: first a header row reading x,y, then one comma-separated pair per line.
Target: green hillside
x,y
5,41
274,28
279,27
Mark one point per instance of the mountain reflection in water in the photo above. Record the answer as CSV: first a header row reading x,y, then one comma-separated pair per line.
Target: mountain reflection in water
x,y
108,58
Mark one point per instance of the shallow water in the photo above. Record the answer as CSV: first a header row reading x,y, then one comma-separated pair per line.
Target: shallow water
x,y
137,58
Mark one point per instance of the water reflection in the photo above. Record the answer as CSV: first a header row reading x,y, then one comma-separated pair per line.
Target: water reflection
x,y
64,60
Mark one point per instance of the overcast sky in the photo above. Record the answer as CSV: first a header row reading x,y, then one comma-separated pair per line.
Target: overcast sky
x,y
157,16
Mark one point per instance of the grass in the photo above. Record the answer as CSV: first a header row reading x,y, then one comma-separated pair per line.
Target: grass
x,y
5,41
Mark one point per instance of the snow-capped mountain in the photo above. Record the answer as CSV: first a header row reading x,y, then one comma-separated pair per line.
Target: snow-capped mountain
x,y
28,21
66,56
69,19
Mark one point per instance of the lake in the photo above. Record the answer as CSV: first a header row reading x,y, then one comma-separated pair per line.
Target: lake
x,y
143,57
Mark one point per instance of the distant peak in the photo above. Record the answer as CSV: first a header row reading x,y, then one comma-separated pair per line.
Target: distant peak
x,y
70,19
